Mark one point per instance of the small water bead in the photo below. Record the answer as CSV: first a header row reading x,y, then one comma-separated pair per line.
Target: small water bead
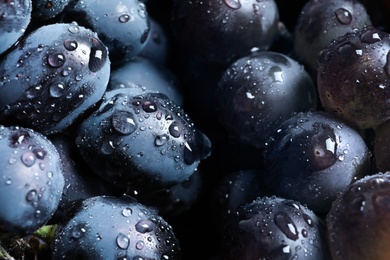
x,y
32,196
122,241
78,231
140,245
74,28
57,90
66,71
56,59
70,44
234,4
28,158
343,16
124,18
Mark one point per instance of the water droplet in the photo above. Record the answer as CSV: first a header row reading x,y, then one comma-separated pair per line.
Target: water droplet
x,y
286,225
70,44
276,74
127,212
74,28
122,241
370,37
386,68
66,71
160,140
343,16
32,196
124,18
123,122
142,10
175,129
234,4
56,90
19,138
140,245
56,59
308,220
39,153
98,55
78,231
149,106
145,226
28,158
8,181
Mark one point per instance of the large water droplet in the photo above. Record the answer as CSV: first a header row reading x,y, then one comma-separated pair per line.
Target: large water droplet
x,y
123,122
149,106
39,153
127,212
32,196
160,140
98,55
56,59
19,138
74,28
370,37
28,158
145,226
122,241
343,16
56,90
70,44
124,18
276,74
286,225
234,4
175,129
386,68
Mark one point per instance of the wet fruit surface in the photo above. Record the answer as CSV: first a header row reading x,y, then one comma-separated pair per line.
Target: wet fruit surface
x,y
136,231
48,82
275,228
32,181
207,113
312,157
361,212
353,77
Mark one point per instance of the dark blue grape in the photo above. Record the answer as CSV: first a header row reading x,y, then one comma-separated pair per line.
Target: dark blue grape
x,y
141,72
141,140
15,16
123,26
221,31
48,9
312,157
322,21
48,82
32,181
361,212
275,228
258,92
106,227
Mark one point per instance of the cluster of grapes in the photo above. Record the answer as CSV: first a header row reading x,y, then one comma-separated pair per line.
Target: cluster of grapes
x,y
194,129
